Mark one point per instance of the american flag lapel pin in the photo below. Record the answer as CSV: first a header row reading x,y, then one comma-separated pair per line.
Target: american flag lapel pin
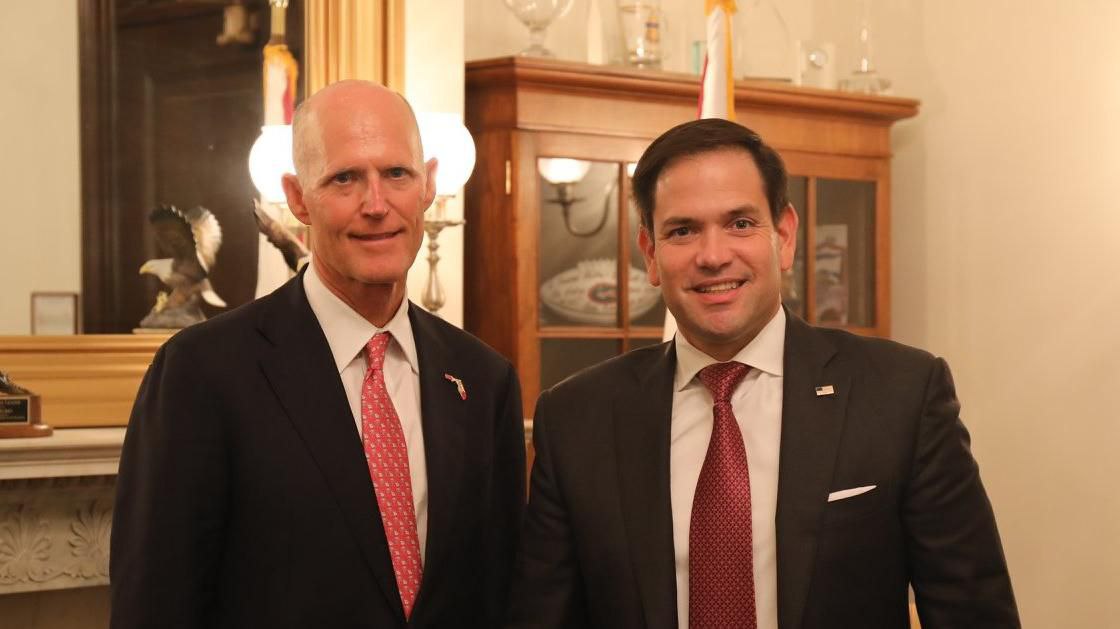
x,y
458,385
825,390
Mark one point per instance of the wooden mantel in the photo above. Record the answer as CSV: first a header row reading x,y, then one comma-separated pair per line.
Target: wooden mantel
x,y
84,380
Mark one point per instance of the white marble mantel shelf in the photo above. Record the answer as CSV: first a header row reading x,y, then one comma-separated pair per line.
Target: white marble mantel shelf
x,y
67,452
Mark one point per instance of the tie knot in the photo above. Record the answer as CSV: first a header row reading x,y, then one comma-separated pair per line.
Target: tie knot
x,y
721,379
375,349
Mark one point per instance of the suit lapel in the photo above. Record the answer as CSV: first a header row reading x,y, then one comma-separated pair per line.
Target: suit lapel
x,y
811,429
302,374
642,415
444,421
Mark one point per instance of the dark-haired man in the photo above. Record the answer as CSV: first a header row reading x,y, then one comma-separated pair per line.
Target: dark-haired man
x,y
755,472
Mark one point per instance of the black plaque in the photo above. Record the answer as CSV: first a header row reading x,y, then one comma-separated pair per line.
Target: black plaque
x,y
20,414
15,409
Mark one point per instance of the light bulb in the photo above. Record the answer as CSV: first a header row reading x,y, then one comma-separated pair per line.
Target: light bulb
x,y
559,170
445,138
271,158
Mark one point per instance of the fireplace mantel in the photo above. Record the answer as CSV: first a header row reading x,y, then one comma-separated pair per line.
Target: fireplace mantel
x,y
56,505
67,452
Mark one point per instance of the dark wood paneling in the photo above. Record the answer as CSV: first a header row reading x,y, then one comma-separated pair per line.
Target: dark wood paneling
x,y
100,288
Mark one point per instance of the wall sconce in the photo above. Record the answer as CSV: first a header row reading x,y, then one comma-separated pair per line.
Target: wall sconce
x,y
445,138
564,173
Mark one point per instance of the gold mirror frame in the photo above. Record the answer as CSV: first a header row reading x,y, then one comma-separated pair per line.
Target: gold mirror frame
x,y
354,39
91,380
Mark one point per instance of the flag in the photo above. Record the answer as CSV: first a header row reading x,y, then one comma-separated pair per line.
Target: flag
x,y
717,84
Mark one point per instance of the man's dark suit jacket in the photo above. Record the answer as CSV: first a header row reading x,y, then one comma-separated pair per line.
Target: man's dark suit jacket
x,y
244,499
597,546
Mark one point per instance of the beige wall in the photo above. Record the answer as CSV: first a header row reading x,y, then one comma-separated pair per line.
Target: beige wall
x,y
39,216
1006,227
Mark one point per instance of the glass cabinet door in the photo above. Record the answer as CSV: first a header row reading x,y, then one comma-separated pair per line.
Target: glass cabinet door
x,y
591,307
794,284
647,309
833,281
562,357
844,253
578,253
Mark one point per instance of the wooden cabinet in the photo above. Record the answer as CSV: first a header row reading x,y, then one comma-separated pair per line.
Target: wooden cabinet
x,y
554,279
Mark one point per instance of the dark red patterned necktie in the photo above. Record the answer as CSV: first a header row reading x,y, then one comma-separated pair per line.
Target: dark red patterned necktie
x,y
720,558
387,456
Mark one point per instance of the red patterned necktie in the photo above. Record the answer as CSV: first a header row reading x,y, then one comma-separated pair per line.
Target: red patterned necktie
x,y
387,456
720,557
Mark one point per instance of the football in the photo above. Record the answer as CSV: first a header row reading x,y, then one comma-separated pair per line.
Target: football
x,y
588,292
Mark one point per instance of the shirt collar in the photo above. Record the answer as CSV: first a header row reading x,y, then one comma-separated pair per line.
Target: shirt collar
x,y
765,352
347,331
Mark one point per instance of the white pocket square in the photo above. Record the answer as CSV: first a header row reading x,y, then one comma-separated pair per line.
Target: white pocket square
x,y
848,493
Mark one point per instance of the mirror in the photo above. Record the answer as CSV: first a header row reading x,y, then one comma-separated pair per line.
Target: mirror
x,y
171,105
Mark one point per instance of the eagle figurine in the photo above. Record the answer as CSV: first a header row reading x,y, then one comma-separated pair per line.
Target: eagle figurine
x,y
192,238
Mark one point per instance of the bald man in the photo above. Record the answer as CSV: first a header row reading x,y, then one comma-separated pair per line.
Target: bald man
x,y
329,455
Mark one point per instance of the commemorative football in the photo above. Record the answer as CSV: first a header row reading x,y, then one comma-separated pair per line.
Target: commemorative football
x,y
588,292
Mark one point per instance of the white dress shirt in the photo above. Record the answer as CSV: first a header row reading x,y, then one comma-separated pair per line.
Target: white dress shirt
x,y
757,403
347,333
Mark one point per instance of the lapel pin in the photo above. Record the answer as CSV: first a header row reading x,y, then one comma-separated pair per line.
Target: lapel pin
x,y
458,385
825,390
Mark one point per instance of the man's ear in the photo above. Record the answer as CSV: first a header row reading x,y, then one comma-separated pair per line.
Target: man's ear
x,y
787,236
646,244
430,168
294,192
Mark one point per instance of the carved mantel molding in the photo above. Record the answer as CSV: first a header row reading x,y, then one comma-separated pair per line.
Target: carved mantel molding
x,y
56,505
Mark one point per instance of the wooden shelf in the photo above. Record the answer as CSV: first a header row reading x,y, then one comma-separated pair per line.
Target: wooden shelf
x,y
583,332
